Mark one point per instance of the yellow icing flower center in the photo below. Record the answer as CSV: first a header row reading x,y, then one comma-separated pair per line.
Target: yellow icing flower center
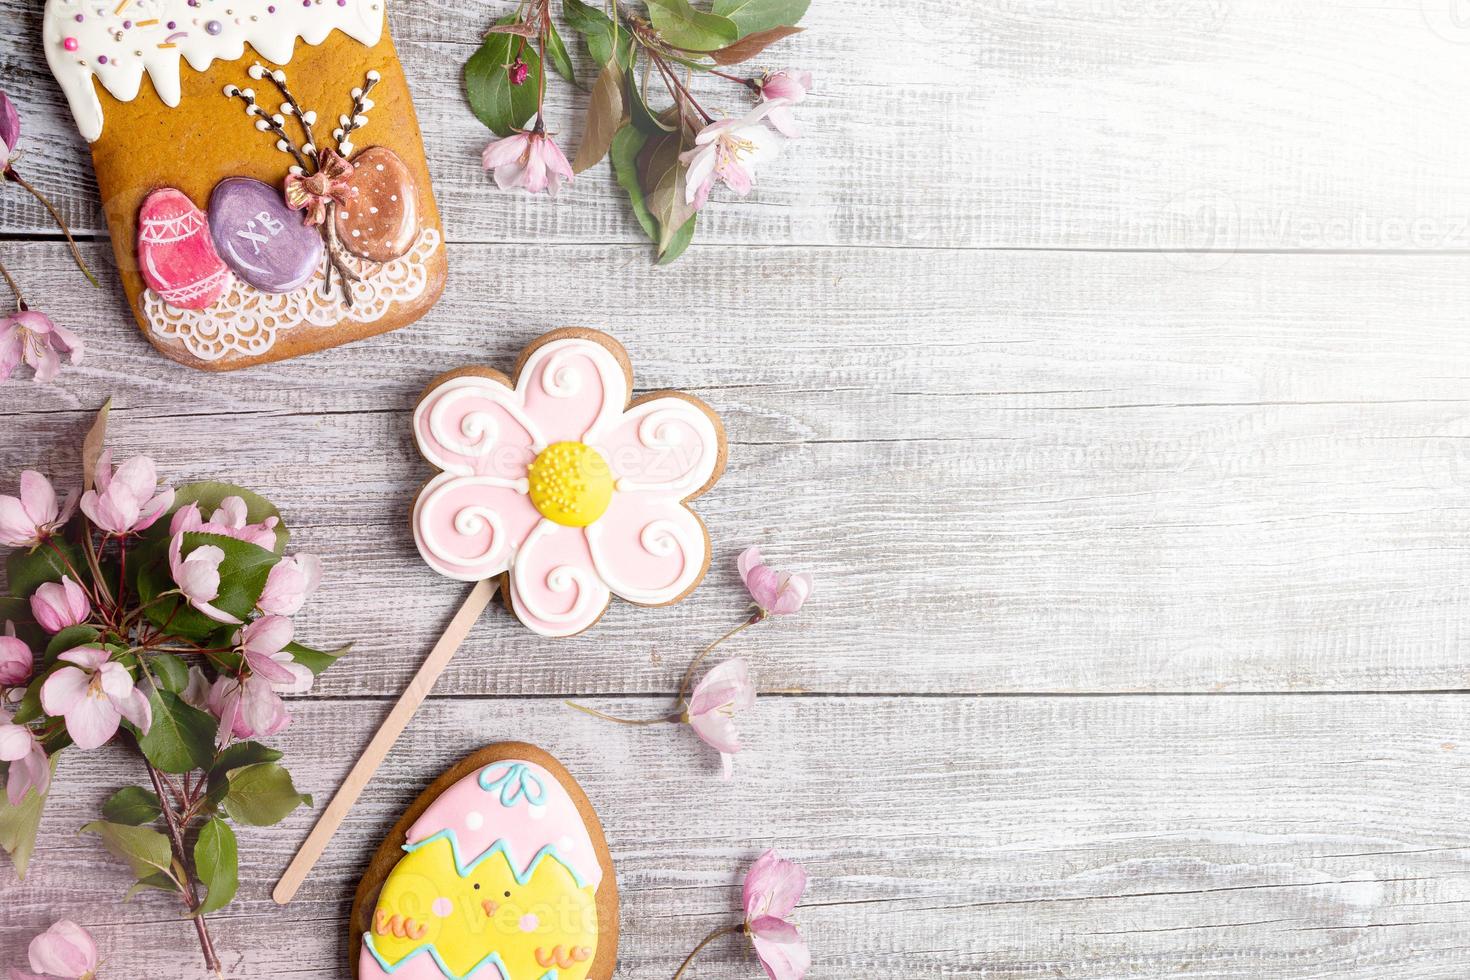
x,y
571,483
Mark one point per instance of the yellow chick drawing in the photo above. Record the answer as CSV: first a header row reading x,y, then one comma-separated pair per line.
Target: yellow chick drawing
x,y
498,882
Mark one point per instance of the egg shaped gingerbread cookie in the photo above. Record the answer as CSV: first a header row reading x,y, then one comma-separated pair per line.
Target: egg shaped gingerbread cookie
x,y
499,871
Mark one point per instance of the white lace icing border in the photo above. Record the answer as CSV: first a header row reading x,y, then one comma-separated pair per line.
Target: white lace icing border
x,y
245,321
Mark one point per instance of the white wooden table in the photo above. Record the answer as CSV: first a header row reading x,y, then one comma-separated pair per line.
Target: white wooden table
x,y
1107,362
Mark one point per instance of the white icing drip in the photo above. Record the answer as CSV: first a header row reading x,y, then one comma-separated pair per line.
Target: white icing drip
x,y
663,429
245,321
470,520
200,35
662,538
479,429
560,579
562,380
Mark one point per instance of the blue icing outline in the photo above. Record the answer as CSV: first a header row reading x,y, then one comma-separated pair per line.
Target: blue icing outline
x,y
513,785
493,959
502,848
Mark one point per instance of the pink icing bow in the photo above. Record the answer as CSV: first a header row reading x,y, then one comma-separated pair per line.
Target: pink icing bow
x,y
328,186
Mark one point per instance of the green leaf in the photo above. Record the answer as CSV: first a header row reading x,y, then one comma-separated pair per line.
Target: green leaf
x,y
638,111
692,30
751,16
748,47
170,670
556,50
626,146
27,570
495,101
68,639
604,116
262,795
133,806
315,661
209,495
144,849
18,826
157,880
92,446
17,612
243,573
599,33
679,241
181,738
217,859
242,754
663,180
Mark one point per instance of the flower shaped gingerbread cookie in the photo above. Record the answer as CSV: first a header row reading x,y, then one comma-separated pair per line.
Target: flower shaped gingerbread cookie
x,y
559,482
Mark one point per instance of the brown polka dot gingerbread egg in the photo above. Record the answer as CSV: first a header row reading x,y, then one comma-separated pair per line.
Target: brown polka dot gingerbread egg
x,y
381,221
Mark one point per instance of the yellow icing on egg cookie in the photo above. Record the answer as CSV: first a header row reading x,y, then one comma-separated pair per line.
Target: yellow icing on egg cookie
x,y
541,925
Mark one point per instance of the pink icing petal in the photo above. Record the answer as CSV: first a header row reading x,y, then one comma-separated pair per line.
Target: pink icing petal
x,y
649,549
573,389
554,587
665,444
456,520
473,425
525,828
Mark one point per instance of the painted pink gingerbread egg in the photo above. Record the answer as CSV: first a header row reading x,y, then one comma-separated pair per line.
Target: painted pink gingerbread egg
x,y
175,253
381,222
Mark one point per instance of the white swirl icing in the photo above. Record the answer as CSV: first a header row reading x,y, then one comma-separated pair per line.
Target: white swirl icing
x,y
662,538
442,433
549,368
664,429
562,578
117,41
470,520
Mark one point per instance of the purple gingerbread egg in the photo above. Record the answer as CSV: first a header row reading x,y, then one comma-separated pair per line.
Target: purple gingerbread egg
x,y
260,238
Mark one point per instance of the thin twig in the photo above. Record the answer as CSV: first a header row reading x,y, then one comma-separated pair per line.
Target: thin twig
x,y
20,302
624,721
725,931
176,838
60,223
689,674
247,96
278,79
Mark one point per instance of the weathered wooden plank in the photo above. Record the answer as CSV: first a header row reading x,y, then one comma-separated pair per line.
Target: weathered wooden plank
x,y
1110,474
1128,125
1223,837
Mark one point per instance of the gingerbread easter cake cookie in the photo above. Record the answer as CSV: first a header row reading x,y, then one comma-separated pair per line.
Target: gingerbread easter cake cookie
x,y
499,871
261,169
560,482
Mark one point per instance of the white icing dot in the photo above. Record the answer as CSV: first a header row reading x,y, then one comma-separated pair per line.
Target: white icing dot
x,y
356,233
393,197
538,812
566,845
474,820
372,210
442,907
378,167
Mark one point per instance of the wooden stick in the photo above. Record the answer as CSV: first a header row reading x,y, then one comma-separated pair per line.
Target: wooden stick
x,y
372,757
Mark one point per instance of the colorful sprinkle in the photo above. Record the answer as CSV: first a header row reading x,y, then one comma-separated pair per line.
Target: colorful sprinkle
x,y
214,27
69,43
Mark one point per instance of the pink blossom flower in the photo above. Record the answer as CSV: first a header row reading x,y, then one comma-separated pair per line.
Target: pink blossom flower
x,y
289,584
93,697
790,86
711,713
263,644
247,707
29,769
776,593
230,519
728,151
197,577
35,515
627,531
16,659
9,131
126,499
196,692
66,951
773,886
57,605
34,338
531,160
